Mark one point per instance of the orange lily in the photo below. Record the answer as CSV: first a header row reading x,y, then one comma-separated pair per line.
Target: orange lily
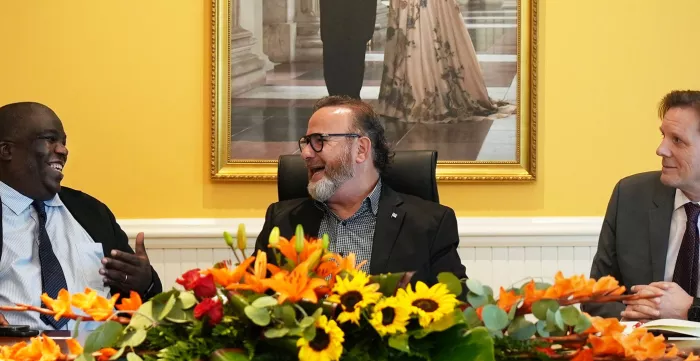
x,y
105,354
41,348
253,281
583,355
130,304
608,285
506,300
9,352
224,276
102,308
74,346
84,300
61,305
296,285
288,248
532,295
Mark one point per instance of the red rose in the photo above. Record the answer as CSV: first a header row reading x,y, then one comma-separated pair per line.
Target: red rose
x,y
209,307
203,286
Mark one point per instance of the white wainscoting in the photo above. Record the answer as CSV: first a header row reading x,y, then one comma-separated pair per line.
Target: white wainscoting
x,y
496,251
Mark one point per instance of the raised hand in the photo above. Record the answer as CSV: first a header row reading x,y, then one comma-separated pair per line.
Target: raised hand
x,y
128,272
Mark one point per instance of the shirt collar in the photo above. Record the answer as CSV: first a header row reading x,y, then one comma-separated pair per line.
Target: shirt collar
x,y
680,200
372,199
18,202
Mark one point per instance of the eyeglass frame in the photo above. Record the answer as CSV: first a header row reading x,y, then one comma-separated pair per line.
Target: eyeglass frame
x,y
323,136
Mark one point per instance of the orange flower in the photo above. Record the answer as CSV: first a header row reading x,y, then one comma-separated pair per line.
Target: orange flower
x,y
102,308
106,353
61,305
253,281
479,311
608,285
606,326
532,295
74,346
9,352
225,276
288,248
130,304
506,300
583,355
296,285
692,357
606,345
41,348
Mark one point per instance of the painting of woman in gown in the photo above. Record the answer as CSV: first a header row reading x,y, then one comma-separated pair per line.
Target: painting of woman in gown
x,y
431,73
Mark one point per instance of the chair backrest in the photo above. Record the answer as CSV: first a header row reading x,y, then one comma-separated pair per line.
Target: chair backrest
x,y
412,172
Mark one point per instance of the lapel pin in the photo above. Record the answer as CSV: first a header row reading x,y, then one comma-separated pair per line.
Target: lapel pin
x,y
393,215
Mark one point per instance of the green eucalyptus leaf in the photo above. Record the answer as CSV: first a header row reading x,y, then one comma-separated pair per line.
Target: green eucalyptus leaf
x,y
513,310
133,338
472,318
451,281
165,296
551,323
317,313
85,357
259,316
162,310
389,283
187,299
583,323
540,286
559,321
542,328
539,308
228,354
119,354
306,322
488,291
476,301
494,318
569,315
276,332
286,314
400,342
106,335
132,356
475,287
310,333
265,301
521,329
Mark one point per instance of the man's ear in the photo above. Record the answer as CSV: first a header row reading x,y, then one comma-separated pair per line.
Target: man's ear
x,y
364,148
5,150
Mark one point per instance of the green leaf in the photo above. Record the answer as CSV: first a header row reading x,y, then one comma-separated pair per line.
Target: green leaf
x,y
442,324
133,338
276,332
472,318
179,315
539,308
161,310
143,318
583,323
187,299
117,355
265,301
475,287
131,356
558,320
551,323
75,328
259,316
494,318
317,313
310,333
104,336
513,310
306,322
542,328
228,354
569,315
85,357
521,329
389,283
476,301
399,342
476,345
451,281
165,296
286,314
542,286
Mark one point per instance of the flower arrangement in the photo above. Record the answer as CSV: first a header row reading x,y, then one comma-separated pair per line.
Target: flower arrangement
x,y
313,305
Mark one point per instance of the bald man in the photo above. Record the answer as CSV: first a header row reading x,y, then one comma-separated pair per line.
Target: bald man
x,y
54,237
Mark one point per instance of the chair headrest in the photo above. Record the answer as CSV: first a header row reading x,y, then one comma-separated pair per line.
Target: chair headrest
x,y
412,172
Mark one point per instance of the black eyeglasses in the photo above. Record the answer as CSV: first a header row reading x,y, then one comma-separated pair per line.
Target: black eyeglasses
x,y
316,140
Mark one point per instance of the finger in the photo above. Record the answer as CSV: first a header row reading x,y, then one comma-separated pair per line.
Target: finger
x,y
114,277
3,321
140,248
648,290
129,258
651,302
115,264
634,315
650,312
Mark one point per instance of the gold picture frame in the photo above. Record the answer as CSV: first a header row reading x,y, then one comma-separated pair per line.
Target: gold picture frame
x,y
522,169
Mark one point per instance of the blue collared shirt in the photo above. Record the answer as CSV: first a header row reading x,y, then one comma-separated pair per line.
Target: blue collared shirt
x,y
20,270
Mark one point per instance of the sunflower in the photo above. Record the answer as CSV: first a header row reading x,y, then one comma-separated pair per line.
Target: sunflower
x,y
327,345
353,295
390,316
430,304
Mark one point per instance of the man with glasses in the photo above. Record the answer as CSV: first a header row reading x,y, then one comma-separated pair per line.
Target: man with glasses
x,y
54,237
346,152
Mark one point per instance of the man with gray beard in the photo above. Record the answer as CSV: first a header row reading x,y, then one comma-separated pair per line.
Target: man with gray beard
x,y
346,152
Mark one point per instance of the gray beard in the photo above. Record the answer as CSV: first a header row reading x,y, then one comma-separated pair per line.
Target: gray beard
x,y
323,189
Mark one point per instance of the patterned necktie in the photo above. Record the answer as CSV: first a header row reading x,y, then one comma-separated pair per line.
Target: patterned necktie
x,y
686,272
52,278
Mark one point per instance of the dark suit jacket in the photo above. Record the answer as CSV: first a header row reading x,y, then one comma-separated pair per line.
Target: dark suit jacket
x,y
347,20
634,236
99,222
422,237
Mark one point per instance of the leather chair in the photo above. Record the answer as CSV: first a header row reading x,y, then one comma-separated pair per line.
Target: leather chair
x,y
412,172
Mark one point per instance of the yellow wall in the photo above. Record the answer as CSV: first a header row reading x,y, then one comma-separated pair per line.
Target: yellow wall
x,y
130,81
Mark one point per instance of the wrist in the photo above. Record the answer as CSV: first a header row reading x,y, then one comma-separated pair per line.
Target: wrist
x,y
693,311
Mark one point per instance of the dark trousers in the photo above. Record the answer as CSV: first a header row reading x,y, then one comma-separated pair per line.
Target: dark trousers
x,y
344,66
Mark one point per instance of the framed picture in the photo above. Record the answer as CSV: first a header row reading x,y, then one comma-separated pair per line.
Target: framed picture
x,y
471,96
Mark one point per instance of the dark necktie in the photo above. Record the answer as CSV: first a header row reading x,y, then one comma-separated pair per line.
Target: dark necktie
x,y
52,278
686,272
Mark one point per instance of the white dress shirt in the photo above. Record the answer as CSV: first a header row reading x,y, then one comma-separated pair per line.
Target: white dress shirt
x,y
678,221
20,270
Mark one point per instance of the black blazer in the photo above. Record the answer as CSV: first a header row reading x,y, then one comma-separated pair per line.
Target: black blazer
x,y
99,222
337,17
422,237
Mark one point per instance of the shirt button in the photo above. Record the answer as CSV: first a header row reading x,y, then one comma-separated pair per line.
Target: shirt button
x,y
343,223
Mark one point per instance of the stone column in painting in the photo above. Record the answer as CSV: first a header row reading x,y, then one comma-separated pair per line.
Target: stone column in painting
x,y
379,37
279,30
247,69
309,47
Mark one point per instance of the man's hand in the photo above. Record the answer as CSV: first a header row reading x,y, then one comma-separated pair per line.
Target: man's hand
x,y
673,302
3,321
127,271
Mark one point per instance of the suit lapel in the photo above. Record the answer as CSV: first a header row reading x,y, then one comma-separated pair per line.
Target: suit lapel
x,y
659,228
308,215
389,220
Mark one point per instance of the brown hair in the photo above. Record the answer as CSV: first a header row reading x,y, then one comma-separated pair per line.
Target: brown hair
x,y
680,99
366,123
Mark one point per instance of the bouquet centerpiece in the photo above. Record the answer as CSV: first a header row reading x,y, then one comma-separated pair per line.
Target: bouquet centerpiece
x,y
314,305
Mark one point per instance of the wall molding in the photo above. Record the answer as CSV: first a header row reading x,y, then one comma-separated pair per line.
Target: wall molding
x,y
194,233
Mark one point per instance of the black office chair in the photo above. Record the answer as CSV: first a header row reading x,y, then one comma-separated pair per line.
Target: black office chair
x,y
412,172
